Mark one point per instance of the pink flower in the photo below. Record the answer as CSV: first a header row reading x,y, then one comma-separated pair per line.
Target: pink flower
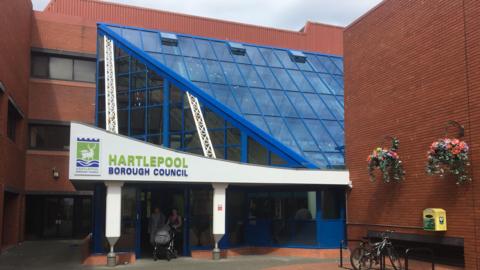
x,y
455,141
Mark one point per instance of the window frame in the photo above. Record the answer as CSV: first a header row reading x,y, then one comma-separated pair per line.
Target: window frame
x,y
50,124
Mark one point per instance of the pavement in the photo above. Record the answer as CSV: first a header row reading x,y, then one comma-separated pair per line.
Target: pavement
x,y
65,254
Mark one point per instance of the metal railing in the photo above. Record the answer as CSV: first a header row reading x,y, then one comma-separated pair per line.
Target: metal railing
x,y
408,253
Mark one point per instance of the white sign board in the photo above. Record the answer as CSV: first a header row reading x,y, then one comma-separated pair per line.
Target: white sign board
x,y
96,154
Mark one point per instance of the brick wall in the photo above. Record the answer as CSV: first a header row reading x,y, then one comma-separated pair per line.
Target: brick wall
x,y
406,76
15,24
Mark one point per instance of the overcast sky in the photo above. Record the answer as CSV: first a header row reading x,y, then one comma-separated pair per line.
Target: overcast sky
x,y
285,14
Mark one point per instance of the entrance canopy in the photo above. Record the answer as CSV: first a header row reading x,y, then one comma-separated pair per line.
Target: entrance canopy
x,y
98,155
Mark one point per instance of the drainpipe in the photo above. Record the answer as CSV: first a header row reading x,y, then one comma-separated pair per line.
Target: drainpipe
x,y
219,208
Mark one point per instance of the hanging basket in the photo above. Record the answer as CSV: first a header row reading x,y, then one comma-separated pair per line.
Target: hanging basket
x,y
450,156
387,161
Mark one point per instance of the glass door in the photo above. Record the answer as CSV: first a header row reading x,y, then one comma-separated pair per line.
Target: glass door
x,y
58,217
127,240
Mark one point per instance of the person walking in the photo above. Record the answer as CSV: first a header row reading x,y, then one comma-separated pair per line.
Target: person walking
x,y
157,221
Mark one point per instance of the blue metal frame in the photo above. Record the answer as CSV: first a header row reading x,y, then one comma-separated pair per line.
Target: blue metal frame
x,y
213,104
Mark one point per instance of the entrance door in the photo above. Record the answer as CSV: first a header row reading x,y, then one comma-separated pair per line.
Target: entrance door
x,y
58,217
165,199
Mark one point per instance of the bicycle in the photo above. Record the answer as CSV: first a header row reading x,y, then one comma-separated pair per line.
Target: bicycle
x,y
368,253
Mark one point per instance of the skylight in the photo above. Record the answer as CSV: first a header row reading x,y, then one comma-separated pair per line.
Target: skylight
x,y
298,56
169,39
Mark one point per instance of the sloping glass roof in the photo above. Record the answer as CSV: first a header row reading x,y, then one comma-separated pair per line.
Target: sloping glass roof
x,y
299,103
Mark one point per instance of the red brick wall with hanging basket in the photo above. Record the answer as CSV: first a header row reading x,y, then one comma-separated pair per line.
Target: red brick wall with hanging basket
x,y
410,67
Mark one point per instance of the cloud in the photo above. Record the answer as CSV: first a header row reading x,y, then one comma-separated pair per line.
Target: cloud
x,y
285,14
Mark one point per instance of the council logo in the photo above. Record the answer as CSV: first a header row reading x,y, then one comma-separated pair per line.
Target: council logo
x,y
88,156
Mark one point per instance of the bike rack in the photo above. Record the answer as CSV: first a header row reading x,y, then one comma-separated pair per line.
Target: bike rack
x,y
428,250
342,247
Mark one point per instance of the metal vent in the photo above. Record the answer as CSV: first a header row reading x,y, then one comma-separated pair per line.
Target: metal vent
x,y
169,39
237,48
297,56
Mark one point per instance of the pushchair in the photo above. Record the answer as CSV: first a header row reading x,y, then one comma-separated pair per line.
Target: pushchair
x,y
165,243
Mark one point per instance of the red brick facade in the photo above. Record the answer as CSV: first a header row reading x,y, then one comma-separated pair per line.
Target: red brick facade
x,y
411,66
15,23
70,26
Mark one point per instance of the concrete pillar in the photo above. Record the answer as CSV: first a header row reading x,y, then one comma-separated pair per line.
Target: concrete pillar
x,y
219,209
113,217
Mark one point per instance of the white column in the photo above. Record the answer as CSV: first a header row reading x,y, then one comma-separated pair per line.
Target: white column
x,y
113,213
219,209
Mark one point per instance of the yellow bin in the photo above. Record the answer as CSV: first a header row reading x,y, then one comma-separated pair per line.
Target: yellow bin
x,y
434,219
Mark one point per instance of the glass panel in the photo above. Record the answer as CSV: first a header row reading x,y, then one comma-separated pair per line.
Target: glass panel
x,y
195,69
138,80
220,152
241,58
175,63
285,59
171,49
191,140
176,119
301,105
122,64
331,202
258,121
257,154
40,66
336,159
340,99
212,120
205,87
233,136
137,99
175,140
303,137
129,214
155,139
329,65
217,137
245,100
319,106
304,66
101,103
336,130
122,100
123,122
232,73
316,63
284,79
155,96
137,65
222,51
321,136
255,56
151,41
155,120
285,107
338,62
276,159
268,78
205,49
84,71
316,158
236,217
137,122
250,76
224,95
49,137
334,106
133,36
264,101
332,84
278,127
317,83
270,57
187,46
234,153
61,68
201,201
300,80
214,71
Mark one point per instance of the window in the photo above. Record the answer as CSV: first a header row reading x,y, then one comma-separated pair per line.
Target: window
x,y
61,67
49,136
14,117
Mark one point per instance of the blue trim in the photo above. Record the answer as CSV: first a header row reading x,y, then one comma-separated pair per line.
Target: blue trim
x,y
213,104
166,113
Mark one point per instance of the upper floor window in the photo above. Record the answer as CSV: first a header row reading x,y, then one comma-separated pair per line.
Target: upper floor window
x,y
63,67
13,120
49,136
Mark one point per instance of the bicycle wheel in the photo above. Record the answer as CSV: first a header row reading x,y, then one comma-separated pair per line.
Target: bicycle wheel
x,y
360,260
394,259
